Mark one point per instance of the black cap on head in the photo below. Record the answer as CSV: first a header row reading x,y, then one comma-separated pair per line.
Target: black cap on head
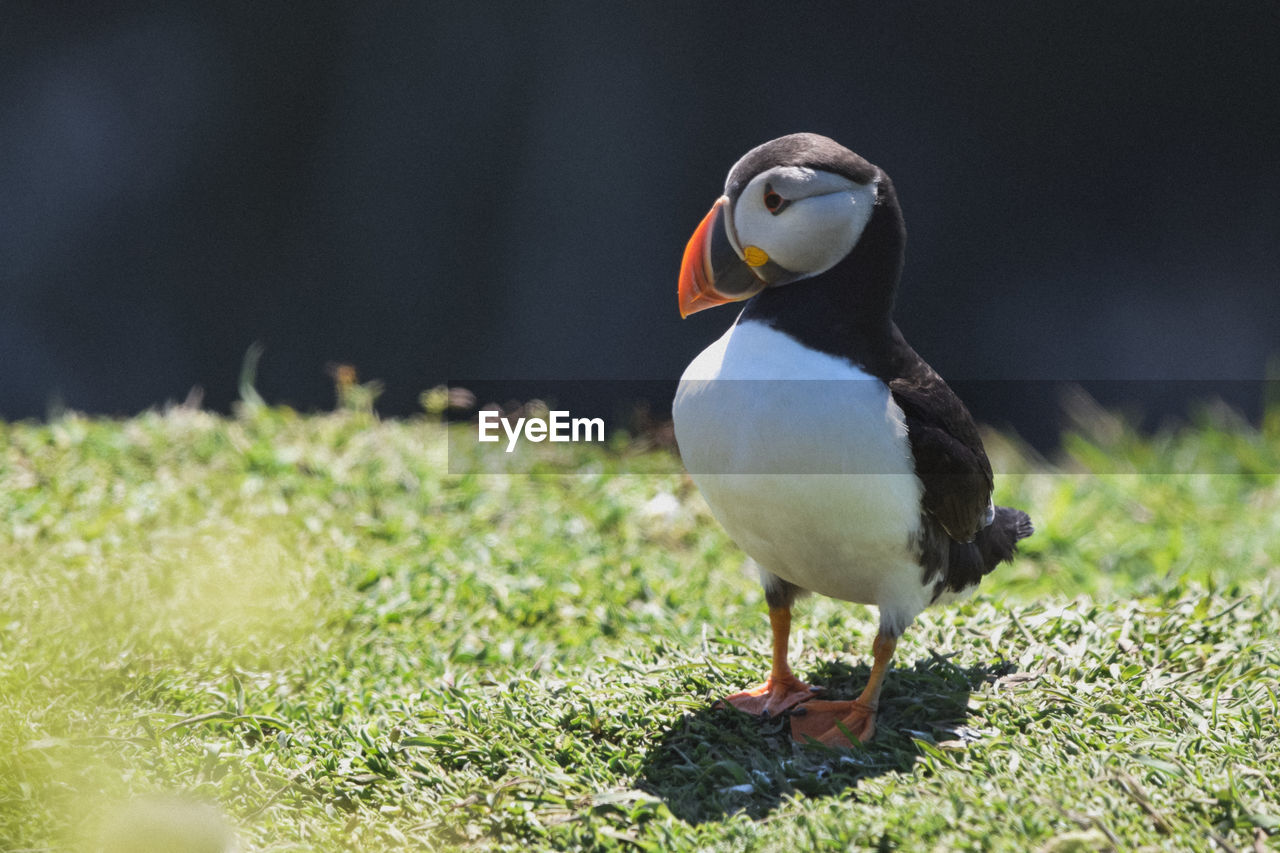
x,y
799,149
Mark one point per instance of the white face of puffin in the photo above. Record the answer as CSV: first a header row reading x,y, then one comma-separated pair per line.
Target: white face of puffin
x,y
787,223
792,222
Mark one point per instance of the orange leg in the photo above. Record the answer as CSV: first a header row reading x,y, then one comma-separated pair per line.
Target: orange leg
x,y
783,690
838,723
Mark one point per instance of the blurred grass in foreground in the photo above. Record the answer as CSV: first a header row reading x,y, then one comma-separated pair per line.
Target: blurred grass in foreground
x,y
308,622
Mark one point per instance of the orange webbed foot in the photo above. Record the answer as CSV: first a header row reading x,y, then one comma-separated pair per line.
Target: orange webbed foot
x,y
776,695
833,723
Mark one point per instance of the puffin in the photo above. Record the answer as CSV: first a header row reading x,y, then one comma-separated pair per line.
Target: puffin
x,y
830,452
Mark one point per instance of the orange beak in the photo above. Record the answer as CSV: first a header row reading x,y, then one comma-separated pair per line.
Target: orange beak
x,y
711,273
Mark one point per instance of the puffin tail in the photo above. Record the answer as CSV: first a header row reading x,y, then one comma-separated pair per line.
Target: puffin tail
x,y
998,541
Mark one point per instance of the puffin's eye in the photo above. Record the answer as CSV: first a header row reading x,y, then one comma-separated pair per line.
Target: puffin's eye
x,y
773,202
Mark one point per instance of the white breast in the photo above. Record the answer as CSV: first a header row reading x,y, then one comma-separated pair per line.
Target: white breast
x,y
804,459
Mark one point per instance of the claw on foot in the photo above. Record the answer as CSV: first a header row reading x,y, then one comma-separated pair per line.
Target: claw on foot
x,y
833,723
776,695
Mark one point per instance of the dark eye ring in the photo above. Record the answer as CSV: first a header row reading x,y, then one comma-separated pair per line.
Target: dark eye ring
x,y
773,202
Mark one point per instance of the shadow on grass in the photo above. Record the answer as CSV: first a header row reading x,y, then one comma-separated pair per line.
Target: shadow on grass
x,y
719,762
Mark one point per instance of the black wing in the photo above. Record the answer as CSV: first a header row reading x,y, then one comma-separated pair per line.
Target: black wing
x,y
949,457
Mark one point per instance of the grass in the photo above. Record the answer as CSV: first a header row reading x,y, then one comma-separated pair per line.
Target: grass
x,y
305,631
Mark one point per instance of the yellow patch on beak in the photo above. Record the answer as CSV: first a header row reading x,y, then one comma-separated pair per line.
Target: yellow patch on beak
x,y
755,256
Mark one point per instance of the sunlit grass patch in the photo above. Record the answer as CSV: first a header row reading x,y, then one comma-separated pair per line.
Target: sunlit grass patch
x,y
307,629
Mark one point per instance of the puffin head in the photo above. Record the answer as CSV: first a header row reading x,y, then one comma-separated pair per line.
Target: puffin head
x,y
792,208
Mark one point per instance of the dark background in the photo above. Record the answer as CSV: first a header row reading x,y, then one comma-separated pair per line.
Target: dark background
x,y
503,190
